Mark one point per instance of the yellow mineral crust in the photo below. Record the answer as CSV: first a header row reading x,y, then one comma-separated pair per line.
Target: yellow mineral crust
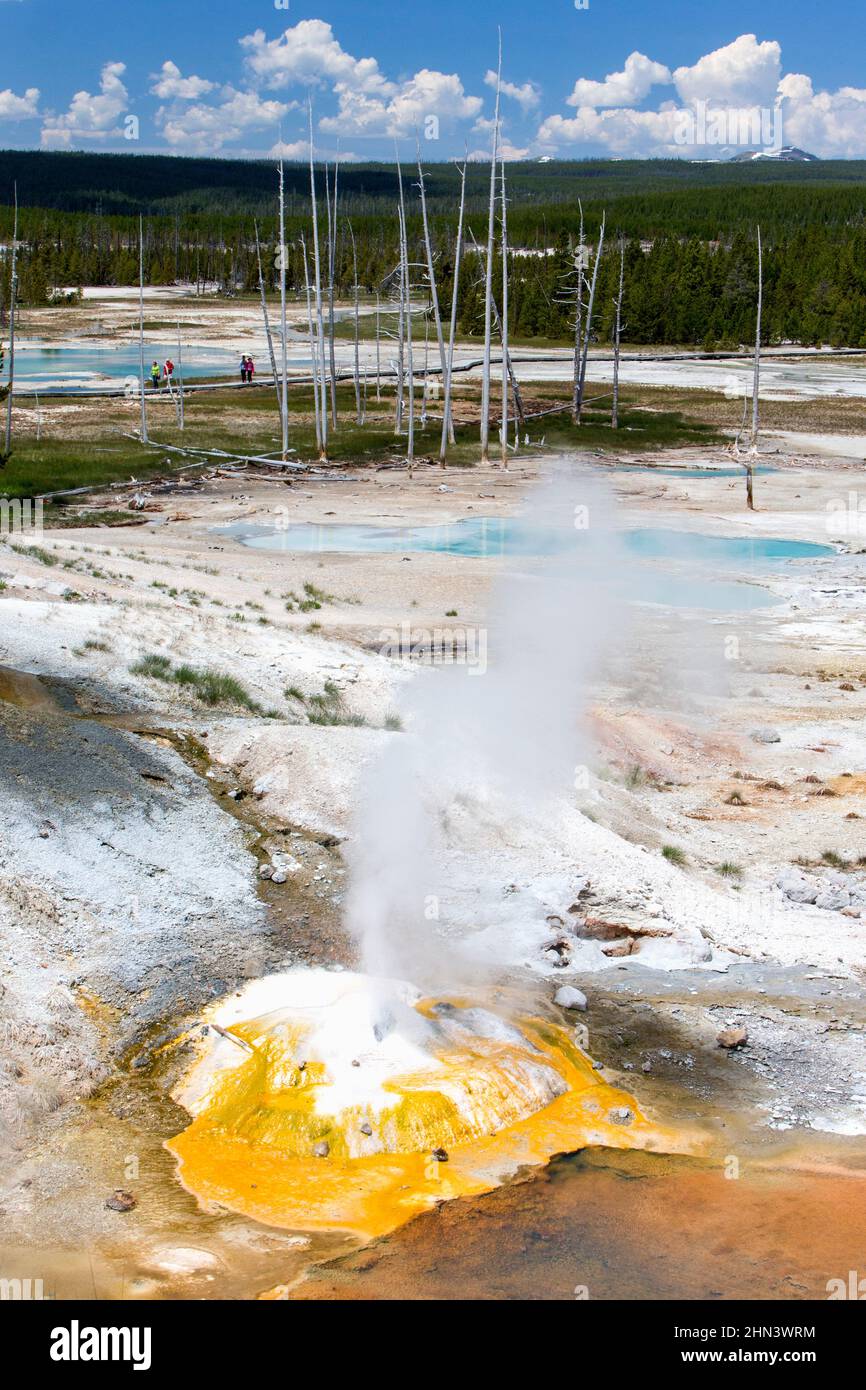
x,y
325,1109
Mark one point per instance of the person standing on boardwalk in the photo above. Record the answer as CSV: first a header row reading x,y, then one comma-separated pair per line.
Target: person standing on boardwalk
x,y
154,376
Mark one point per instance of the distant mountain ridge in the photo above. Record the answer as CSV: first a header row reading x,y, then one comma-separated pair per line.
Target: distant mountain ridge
x,y
129,184
788,154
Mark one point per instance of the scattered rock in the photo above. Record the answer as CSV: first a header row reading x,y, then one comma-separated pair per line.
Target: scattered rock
x,y
366,1127
121,1201
440,1155
732,1038
279,876
322,1149
599,929
266,871
833,899
797,887
621,1115
765,734
570,998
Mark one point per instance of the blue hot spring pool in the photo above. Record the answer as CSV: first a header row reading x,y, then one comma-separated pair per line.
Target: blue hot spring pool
x,y
711,572
46,367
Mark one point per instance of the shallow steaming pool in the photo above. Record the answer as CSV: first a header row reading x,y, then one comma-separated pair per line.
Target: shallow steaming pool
x,y
47,367
696,559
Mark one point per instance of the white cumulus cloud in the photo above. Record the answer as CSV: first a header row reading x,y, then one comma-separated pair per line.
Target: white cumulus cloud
x,y
91,116
428,93
639,74
203,128
310,54
826,123
527,95
169,84
15,108
300,150
738,89
743,73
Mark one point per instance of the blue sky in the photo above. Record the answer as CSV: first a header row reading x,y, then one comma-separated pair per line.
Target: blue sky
x,y
621,77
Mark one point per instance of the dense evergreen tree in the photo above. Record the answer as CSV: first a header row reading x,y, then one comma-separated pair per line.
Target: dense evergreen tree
x,y
690,256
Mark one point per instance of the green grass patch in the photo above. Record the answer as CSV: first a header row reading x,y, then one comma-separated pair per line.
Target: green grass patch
x,y
35,552
329,708
212,687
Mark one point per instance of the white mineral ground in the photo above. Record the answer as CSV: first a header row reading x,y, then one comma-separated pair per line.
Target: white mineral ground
x,y
129,896
790,373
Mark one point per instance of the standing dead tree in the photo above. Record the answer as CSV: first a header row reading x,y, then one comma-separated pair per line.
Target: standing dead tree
x,y
284,382
580,272
504,321
519,411
588,327
13,303
180,419
431,282
401,331
332,258
488,282
317,285
572,293
617,338
314,347
756,384
378,351
140,334
406,299
267,322
447,418
357,371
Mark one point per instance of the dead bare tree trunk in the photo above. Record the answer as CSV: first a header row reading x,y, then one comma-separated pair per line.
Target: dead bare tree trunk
x,y
13,304
401,331
267,321
756,390
144,438
497,327
180,419
317,282
404,244
431,279
284,381
378,365
589,312
617,334
578,319
447,418
426,374
504,454
488,285
756,383
357,355
332,259
314,351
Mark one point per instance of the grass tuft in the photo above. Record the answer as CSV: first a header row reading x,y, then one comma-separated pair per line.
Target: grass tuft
x,y
211,687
